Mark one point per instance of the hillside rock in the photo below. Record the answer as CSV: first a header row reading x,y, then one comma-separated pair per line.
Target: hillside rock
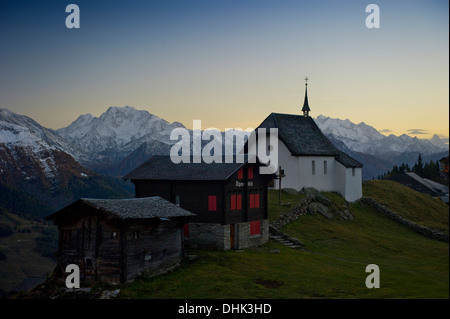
x,y
290,191
345,214
315,196
318,208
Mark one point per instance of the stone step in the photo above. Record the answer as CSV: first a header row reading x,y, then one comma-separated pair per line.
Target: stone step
x,y
275,237
283,239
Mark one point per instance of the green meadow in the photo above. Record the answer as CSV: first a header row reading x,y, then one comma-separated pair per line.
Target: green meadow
x,y
333,264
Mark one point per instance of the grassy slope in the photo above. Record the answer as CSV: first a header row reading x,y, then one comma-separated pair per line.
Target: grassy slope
x,y
412,205
411,265
22,260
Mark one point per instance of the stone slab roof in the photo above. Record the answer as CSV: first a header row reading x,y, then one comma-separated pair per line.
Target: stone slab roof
x,y
303,137
161,167
132,208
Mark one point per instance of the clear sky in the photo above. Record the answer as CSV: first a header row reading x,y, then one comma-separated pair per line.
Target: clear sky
x,y
229,63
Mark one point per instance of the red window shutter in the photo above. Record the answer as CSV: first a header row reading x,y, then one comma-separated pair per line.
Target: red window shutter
x,y
186,230
212,202
239,202
233,202
250,172
255,227
256,200
240,174
252,201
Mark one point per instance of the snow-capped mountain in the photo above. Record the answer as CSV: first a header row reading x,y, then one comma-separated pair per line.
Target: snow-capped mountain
x,y
32,156
35,160
27,147
366,139
122,138
118,131
21,130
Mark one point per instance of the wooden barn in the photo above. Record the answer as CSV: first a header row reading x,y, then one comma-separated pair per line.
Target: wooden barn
x,y
113,240
229,200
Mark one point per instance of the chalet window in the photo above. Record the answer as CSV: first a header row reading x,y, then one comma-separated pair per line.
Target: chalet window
x,y
212,202
114,235
88,262
135,235
177,200
70,239
66,238
250,172
254,201
353,171
313,167
255,227
325,168
240,174
186,230
236,202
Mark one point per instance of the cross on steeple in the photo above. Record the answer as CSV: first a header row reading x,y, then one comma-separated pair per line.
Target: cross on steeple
x,y
306,108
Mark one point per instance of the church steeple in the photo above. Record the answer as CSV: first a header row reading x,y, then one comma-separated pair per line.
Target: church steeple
x,y
306,108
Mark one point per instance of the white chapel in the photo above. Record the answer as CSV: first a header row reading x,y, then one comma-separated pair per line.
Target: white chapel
x,y
309,159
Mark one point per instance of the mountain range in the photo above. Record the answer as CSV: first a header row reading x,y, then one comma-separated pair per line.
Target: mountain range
x,y
122,138
38,165
377,152
117,133
364,138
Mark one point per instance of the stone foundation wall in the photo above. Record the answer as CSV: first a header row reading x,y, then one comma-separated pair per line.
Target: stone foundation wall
x,y
245,240
431,233
217,237
208,236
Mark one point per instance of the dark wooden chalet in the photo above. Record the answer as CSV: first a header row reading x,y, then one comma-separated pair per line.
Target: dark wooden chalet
x,y
423,185
114,240
229,199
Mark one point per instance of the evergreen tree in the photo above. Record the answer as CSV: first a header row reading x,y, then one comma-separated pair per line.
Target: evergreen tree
x,y
395,170
418,167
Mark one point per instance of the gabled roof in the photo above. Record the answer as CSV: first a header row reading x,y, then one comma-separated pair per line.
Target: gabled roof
x,y
161,167
300,134
432,185
132,208
303,137
347,160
